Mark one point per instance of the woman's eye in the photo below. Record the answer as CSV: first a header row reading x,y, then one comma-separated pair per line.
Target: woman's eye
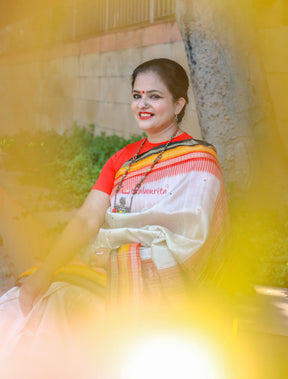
x,y
155,96
136,96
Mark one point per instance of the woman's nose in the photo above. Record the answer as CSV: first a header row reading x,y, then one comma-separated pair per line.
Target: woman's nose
x,y
143,103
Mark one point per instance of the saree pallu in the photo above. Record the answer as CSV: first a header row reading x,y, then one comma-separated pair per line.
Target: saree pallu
x,y
174,235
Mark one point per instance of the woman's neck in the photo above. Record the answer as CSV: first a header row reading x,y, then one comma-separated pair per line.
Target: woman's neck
x,y
164,135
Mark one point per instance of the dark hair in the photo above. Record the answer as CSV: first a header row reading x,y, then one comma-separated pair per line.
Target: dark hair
x,y
171,73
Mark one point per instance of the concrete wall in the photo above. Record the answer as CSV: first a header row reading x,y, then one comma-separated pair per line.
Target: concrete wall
x,y
87,82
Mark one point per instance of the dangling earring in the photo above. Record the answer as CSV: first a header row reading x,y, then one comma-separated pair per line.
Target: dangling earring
x,y
176,118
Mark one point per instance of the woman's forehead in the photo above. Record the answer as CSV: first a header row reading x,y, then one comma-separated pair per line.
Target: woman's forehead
x,y
147,81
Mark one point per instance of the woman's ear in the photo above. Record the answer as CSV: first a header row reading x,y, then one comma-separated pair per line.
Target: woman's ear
x,y
179,104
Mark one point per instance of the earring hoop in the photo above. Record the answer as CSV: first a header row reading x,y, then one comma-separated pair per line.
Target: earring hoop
x,y
176,117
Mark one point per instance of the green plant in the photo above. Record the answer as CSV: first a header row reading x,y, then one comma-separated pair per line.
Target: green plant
x,y
67,164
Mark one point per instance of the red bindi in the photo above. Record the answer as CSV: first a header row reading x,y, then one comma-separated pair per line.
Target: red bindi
x,y
143,91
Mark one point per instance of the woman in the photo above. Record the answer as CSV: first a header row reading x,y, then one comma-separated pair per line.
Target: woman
x,y
158,209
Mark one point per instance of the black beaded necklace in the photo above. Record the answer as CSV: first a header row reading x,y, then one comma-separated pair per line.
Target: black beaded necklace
x,y
122,207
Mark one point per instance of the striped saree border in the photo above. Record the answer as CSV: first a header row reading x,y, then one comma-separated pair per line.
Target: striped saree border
x,y
192,142
197,161
174,152
76,274
125,274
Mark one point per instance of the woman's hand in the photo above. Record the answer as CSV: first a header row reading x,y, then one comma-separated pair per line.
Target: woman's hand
x,y
100,257
32,289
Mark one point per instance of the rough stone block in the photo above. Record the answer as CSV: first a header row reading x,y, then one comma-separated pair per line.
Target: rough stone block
x,y
106,115
160,33
56,65
105,93
129,39
126,124
90,65
85,112
90,88
91,112
78,110
115,89
67,108
67,87
113,117
90,46
123,93
278,85
71,66
190,123
179,55
157,51
174,32
128,60
273,44
108,43
74,88
109,64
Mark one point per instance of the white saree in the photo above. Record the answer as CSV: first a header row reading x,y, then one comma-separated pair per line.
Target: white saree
x,y
173,235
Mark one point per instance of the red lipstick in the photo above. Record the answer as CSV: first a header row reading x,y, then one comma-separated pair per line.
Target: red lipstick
x,y
145,115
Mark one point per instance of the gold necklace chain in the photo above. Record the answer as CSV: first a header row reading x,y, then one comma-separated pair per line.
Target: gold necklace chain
x,y
122,208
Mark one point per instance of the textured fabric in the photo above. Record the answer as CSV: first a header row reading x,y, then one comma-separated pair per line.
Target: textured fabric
x,y
92,279
105,180
176,229
57,319
174,236
76,297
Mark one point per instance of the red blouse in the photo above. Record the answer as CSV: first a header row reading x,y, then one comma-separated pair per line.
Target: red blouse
x,y
105,180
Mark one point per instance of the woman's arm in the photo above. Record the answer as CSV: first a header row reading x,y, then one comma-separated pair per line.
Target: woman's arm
x,y
85,224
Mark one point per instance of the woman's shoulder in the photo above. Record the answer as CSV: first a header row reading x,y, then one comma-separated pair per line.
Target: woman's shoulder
x,y
187,139
129,149
204,144
124,154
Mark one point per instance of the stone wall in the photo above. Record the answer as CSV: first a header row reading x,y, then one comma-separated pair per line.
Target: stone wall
x,y
237,93
87,82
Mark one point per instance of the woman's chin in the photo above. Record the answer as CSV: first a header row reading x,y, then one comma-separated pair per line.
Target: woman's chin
x,y
145,126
